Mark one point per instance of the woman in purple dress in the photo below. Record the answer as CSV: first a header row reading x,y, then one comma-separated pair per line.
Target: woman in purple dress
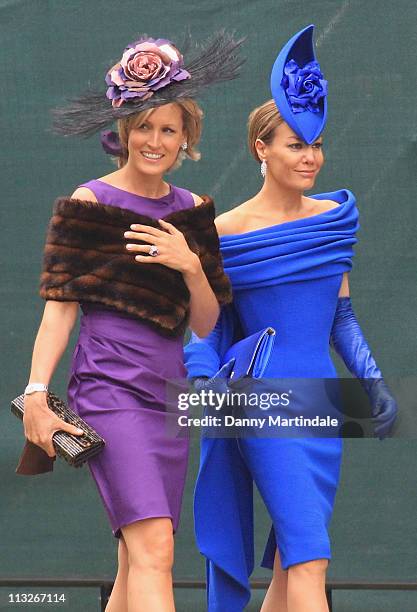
x,y
141,258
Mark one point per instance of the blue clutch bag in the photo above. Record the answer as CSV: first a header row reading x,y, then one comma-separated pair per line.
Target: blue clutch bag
x,y
250,356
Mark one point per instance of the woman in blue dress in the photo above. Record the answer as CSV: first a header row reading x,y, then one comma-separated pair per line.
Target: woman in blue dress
x,y
288,258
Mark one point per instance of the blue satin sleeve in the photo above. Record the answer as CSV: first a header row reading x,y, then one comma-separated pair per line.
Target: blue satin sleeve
x,y
202,356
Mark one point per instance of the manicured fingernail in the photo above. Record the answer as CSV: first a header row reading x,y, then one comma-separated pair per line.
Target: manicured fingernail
x,y
129,246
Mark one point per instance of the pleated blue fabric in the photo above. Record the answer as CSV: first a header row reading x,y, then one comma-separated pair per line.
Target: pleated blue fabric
x,y
286,276
309,248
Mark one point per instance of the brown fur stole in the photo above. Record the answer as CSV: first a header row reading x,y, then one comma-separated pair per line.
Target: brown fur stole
x,y
86,260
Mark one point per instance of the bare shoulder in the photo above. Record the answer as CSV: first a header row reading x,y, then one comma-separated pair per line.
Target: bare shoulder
x,y
197,199
313,206
83,193
325,205
230,222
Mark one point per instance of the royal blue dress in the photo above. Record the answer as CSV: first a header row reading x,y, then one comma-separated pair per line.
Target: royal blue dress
x,y
286,276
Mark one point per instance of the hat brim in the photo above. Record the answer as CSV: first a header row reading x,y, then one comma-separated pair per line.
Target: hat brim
x,y
212,61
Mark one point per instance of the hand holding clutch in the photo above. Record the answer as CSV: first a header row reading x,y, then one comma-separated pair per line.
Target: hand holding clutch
x,y
217,383
248,357
68,444
349,342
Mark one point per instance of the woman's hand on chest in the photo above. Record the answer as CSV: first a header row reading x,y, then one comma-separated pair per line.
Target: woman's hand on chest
x,y
166,246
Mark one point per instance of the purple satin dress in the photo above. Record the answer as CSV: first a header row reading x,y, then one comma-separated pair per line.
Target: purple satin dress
x,y
117,384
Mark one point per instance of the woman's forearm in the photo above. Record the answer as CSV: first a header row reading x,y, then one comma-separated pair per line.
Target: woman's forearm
x,y
40,422
204,307
52,339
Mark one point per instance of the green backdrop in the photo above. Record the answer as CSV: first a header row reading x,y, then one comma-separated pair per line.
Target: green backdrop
x,y
54,525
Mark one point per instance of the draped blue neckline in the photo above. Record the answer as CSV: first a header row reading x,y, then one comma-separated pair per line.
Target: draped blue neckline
x,y
307,248
343,197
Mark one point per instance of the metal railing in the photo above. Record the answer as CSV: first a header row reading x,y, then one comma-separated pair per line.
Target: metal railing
x,y
105,585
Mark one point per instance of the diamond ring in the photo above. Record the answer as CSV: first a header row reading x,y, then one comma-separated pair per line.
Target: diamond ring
x,y
153,250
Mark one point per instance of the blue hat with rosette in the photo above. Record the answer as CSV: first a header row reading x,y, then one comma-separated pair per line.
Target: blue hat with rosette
x,y
298,87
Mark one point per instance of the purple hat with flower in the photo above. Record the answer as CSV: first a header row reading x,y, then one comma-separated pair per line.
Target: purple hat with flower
x,y
146,66
150,73
299,88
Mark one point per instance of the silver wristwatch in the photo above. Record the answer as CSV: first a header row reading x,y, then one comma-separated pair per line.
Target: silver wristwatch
x,y
33,387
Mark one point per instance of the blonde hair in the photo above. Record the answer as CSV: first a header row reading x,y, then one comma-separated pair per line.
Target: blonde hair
x,y
261,124
192,117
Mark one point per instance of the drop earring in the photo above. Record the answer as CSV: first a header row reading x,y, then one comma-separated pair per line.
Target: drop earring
x,y
184,146
264,166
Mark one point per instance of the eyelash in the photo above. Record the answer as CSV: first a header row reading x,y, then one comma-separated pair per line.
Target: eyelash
x,y
145,126
296,146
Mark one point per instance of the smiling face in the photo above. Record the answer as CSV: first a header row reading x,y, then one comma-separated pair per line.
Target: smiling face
x,y
291,162
155,140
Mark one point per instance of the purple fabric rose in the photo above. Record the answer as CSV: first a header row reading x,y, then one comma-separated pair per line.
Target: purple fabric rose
x,y
146,66
304,86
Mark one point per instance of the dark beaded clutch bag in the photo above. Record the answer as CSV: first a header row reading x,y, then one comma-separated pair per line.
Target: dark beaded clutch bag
x,y
74,449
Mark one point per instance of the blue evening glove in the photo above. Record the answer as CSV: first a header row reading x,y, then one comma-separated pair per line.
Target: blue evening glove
x,y
349,342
